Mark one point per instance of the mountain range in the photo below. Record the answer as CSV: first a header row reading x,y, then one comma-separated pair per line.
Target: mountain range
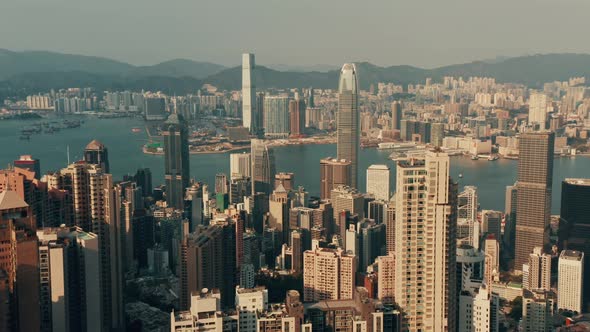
x,y
28,72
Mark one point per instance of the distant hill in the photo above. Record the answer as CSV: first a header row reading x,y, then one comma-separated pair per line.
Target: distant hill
x,y
17,63
22,73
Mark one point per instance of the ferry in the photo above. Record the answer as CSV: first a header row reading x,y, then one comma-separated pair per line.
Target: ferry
x,y
492,158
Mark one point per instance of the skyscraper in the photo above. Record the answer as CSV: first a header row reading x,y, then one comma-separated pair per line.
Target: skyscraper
x,y
297,117
533,205
537,271
176,157
239,165
249,104
538,110
96,153
378,181
263,167
570,280
333,173
425,245
30,163
276,116
347,121
396,115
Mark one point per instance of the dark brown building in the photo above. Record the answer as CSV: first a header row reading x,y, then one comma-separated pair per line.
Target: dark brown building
x,y
333,173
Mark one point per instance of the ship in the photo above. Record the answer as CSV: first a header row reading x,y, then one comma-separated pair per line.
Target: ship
x,y
136,130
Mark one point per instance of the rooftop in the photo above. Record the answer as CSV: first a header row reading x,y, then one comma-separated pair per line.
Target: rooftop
x,y
95,145
571,255
11,200
578,182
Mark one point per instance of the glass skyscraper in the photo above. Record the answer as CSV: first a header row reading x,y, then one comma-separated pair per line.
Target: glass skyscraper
x,y
348,134
176,155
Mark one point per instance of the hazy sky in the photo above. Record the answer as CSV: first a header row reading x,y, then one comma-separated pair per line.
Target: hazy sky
x,y
298,32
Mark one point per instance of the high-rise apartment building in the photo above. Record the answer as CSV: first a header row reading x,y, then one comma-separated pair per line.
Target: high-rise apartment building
x,y
249,302
347,121
479,310
425,245
537,271
570,281
533,206
328,274
96,153
333,173
386,278
538,309
378,181
176,158
240,165
263,167
249,104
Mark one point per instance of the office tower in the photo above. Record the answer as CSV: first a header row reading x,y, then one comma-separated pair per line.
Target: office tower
x,y
538,110
249,104
287,180
143,178
239,188
328,274
570,281
437,134
347,120
263,167
143,228
333,173
278,208
467,224
297,118
155,108
276,116
479,310
300,198
96,153
492,261
469,267
176,157
386,278
538,309
575,220
537,271
425,184
533,205
240,165
396,115
377,211
296,243
491,223
371,238
209,261
250,301
221,184
378,181
28,162
510,220
346,199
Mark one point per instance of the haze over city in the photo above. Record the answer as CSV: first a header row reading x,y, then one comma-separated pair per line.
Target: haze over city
x,y
422,33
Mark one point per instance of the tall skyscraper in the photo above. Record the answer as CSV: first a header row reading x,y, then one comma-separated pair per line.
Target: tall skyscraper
x,y
396,115
297,117
575,221
570,281
96,153
249,104
240,165
347,120
263,167
437,134
378,181
425,245
537,271
328,274
533,206
467,225
176,157
538,110
333,173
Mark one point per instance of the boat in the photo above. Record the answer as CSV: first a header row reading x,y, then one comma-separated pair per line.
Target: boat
x,y
492,158
474,157
136,130
460,175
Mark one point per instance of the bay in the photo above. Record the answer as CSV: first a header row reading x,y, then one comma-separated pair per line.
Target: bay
x,y
126,156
